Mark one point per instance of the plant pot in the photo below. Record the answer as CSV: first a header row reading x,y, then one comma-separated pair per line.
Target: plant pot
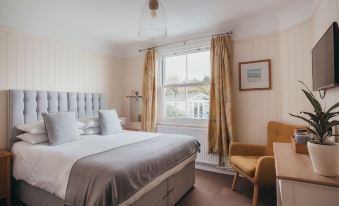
x,y
324,158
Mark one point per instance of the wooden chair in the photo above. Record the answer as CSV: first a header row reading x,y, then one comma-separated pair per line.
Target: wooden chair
x,y
256,162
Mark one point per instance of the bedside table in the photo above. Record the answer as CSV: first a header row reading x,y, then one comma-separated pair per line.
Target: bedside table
x,y
5,176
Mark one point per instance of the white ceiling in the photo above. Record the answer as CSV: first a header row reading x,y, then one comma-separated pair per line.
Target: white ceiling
x,y
111,25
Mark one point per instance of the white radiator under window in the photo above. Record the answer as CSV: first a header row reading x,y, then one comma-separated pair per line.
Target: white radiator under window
x,y
201,135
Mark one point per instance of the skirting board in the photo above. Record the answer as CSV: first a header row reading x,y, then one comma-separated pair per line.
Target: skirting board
x,y
216,169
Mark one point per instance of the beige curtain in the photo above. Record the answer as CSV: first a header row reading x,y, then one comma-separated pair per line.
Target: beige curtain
x,y
149,93
220,126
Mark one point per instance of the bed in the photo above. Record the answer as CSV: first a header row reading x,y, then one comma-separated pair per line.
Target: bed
x,y
148,168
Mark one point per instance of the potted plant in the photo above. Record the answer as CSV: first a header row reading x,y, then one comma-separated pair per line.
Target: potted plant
x,y
324,154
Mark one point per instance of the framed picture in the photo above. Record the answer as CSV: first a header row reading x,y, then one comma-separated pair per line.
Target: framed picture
x,y
255,75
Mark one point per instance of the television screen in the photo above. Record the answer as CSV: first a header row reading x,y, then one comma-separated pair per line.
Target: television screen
x,y
325,59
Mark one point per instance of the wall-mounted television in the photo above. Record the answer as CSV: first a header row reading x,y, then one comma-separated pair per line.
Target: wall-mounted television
x,y
325,59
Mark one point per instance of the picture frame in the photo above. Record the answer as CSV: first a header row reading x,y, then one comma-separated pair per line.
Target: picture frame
x,y
255,75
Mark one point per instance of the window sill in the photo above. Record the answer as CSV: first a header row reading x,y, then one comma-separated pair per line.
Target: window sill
x,y
182,124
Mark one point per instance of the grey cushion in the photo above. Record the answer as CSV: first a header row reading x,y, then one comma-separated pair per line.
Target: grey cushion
x,y
109,122
61,127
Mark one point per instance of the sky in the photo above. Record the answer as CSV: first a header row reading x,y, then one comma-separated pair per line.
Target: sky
x,y
198,65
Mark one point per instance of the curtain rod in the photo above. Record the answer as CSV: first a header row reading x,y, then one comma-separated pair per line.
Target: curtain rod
x,y
202,37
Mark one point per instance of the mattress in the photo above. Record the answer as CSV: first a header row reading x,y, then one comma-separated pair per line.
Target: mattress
x,y
48,167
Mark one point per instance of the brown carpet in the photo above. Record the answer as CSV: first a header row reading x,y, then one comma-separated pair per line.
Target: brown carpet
x,y
213,189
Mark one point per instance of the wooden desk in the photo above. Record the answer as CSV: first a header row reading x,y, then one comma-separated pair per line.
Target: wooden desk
x,y
297,184
5,176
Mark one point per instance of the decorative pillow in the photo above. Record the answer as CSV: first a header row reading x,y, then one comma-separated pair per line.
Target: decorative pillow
x,y
90,131
61,127
88,122
33,128
109,122
80,131
81,125
33,138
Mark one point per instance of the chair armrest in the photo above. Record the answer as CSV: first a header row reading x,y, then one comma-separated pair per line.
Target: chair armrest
x,y
265,172
241,149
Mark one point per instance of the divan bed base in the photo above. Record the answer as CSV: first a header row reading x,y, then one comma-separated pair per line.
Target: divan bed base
x,y
167,193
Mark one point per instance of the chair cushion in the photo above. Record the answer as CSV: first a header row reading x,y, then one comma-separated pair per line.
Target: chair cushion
x,y
247,164
278,132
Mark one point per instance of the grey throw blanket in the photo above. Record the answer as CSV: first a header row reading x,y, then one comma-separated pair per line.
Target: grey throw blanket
x,y
113,176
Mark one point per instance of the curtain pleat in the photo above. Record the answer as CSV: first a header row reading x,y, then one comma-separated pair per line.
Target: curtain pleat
x,y
220,124
149,93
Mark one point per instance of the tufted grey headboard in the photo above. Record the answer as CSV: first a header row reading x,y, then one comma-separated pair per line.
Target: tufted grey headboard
x,y
27,106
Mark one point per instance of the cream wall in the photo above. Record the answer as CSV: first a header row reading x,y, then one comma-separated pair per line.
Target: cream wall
x,y
290,52
29,62
260,106
296,61
253,109
133,77
327,12
296,65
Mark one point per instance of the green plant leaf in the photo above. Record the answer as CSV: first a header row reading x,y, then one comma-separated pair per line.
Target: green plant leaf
x,y
309,91
314,117
316,105
331,124
306,120
330,115
320,123
333,107
313,132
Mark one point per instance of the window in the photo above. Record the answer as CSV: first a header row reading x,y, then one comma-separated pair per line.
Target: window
x,y
185,86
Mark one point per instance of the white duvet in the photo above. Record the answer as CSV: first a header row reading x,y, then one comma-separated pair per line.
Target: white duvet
x,y
49,167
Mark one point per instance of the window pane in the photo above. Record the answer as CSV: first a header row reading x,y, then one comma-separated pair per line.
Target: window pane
x,y
175,70
198,92
174,93
198,99
186,101
175,109
174,102
198,67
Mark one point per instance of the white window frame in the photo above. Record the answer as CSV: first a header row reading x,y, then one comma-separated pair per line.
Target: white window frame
x,y
177,121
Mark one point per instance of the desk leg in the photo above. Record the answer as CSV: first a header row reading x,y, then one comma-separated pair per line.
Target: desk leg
x,y
277,183
8,182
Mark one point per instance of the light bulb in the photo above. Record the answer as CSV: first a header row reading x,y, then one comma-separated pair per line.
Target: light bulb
x,y
153,5
153,24
154,13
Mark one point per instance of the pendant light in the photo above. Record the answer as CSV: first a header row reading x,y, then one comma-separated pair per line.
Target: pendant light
x,y
153,22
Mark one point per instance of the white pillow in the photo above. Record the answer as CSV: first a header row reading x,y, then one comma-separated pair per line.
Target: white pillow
x,y
109,122
33,128
33,138
90,131
80,131
88,122
61,127
81,125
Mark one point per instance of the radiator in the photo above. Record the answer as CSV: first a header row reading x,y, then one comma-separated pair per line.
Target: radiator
x,y
201,135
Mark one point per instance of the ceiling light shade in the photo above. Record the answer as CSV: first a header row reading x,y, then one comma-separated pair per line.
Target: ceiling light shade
x,y
153,21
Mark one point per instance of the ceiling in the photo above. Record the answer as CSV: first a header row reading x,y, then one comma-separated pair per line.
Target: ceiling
x,y
111,25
